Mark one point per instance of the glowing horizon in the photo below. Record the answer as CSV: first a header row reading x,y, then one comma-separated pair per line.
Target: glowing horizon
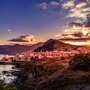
x,y
77,43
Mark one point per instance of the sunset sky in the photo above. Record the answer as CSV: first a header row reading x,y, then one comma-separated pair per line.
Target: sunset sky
x,y
33,21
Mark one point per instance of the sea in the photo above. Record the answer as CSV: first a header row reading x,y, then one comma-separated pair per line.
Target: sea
x,y
8,78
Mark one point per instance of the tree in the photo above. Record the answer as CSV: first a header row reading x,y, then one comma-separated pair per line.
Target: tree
x,y
80,62
6,86
26,58
19,58
62,58
32,58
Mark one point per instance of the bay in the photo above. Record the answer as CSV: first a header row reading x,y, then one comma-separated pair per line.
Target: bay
x,y
8,78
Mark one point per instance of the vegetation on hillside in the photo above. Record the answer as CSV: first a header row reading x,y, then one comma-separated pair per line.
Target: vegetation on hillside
x,y
42,67
6,86
80,62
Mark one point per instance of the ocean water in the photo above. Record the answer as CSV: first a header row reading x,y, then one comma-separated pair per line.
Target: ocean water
x,y
10,78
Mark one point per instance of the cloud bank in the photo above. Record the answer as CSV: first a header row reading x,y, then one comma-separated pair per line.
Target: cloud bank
x,y
45,5
68,4
77,30
77,9
24,38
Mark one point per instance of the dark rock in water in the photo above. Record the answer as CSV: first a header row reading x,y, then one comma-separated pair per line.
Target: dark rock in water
x,y
4,72
7,73
15,73
14,67
10,73
19,65
18,82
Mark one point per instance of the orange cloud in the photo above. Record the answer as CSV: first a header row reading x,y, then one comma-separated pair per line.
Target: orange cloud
x,y
43,5
24,38
68,4
81,5
80,11
77,8
53,3
76,31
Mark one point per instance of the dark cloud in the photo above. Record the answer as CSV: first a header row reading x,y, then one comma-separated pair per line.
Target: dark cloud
x,y
74,24
79,34
64,35
24,38
76,39
87,24
79,24
80,1
18,40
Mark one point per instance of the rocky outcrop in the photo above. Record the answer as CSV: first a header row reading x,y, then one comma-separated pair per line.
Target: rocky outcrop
x,y
50,74
10,73
60,81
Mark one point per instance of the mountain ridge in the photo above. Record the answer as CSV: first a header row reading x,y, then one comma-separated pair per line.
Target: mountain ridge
x,y
50,45
17,48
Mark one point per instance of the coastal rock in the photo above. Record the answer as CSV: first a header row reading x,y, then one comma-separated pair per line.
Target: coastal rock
x,y
10,73
4,72
51,75
15,73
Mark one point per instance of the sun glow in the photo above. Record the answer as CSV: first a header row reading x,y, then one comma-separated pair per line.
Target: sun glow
x,y
84,31
78,43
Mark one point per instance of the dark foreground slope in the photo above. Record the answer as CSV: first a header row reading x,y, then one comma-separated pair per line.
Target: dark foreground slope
x,y
51,74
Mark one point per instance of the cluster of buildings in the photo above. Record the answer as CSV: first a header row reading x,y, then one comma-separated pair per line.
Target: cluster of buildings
x,y
64,51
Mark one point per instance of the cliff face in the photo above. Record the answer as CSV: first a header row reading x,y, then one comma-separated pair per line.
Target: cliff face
x,y
50,45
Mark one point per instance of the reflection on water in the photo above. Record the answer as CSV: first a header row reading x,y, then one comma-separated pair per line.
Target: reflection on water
x,y
8,79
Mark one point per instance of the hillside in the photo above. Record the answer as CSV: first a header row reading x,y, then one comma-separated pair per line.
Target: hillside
x,y
18,48
50,45
52,74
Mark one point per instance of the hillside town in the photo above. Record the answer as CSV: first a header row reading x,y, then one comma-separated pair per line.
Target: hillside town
x,y
65,51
